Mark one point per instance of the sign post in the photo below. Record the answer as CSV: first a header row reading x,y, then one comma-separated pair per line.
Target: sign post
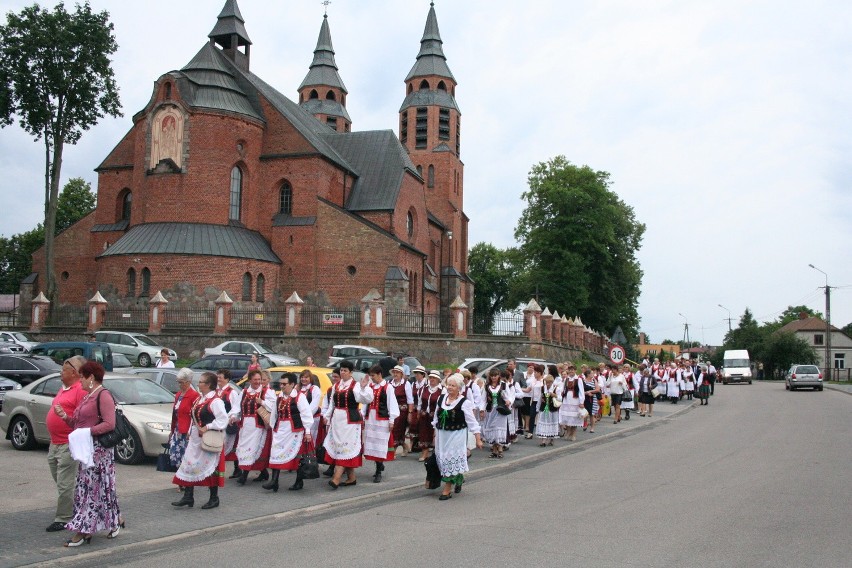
x,y
617,355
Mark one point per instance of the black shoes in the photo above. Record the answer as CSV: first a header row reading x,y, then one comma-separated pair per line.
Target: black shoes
x,y
187,500
243,477
329,472
273,484
213,502
380,467
297,485
55,526
262,476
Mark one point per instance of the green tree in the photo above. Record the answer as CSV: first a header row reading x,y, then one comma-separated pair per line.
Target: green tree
x,y
16,252
747,335
491,270
56,78
847,329
579,242
783,349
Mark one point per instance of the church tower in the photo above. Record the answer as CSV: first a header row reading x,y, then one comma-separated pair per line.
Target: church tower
x,y
230,34
323,93
430,129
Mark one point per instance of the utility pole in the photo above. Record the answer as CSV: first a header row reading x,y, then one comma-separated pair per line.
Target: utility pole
x,y
828,362
729,316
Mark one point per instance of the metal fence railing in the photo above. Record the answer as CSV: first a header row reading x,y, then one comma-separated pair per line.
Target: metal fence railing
x,y
67,316
331,319
399,321
504,323
196,318
258,319
128,318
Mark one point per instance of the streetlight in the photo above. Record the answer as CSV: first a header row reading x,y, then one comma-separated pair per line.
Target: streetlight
x,y
685,330
827,324
729,316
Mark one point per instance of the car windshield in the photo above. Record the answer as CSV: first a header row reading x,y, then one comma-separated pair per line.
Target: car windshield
x,y
263,348
145,340
736,363
137,391
807,370
21,336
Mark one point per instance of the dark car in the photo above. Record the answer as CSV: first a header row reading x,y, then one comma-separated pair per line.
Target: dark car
x,y
237,364
59,351
26,368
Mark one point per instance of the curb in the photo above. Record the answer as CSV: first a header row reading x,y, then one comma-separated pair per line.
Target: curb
x,y
486,471
835,388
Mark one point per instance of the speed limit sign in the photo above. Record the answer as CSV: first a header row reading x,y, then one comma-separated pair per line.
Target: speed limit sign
x,y
616,354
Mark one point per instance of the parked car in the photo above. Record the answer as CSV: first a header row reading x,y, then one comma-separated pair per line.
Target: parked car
x,y
323,376
20,338
147,406
59,351
138,347
166,378
5,386
120,363
521,363
26,368
9,346
339,352
249,347
803,376
236,364
478,362
362,363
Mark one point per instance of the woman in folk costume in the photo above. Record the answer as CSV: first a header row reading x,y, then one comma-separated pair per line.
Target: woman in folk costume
x,y
454,417
572,399
185,397
673,383
417,387
313,395
703,382
199,467
291,430
604,373
616,385
405,402
662,374
498,401
344,420
427,405
591,390
254,440
379,417
630,387
231,399
688,386
322,430
547,415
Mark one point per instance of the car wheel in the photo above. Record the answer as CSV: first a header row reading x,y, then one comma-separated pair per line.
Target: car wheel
x,y
129,451
144,360
22,435
820,389
792,388
749,382
786,386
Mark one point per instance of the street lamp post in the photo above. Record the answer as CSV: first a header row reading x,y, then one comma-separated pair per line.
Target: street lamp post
x,y
729,316
828,363
685,330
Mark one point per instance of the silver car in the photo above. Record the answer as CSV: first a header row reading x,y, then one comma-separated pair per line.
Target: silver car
x,y
249,347
803,376
147,406
138,347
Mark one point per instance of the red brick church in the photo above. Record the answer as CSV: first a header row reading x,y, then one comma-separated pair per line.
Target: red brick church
x,y
225,184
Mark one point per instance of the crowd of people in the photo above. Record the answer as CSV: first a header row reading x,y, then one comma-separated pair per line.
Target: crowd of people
x,y
440,416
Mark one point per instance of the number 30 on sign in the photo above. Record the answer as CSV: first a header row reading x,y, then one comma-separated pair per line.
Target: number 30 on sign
x,y
616,354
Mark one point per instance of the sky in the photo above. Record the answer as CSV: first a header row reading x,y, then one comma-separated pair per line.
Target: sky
x,y
726,125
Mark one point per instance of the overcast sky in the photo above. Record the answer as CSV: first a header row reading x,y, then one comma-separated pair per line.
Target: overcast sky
x,y
725,124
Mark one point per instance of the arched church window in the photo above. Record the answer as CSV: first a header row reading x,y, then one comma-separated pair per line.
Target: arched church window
x,y
424,85
442,86
246,287
314,94
285,206
146,282
131,282
260,292
431,181
236,194
330,96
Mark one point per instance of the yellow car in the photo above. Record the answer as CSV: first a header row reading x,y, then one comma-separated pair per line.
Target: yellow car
x,y
322,373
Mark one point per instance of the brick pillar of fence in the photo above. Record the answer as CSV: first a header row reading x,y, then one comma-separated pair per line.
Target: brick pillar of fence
x,y
373,314
587,339
546,334
156,313
460,313
223,314
97,311
40,306
532,320
293,307
564,329
572,332
552,325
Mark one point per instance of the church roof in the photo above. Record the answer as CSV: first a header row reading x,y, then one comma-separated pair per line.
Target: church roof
x,y
325,106
380,161
230,22
323,69
193,239
429,98
431,59
215,83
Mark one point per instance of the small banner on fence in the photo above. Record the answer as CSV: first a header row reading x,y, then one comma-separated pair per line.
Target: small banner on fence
x,y
332,319
258,317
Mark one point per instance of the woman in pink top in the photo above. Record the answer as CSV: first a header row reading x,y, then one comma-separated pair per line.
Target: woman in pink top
x,y
95,497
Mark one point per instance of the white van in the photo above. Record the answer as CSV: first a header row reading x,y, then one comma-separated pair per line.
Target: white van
x,y
736,367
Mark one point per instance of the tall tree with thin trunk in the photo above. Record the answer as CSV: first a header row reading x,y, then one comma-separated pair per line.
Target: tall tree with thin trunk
x,y
56,77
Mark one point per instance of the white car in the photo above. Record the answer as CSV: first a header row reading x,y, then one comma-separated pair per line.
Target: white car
x,y
249,347
339,352
138,347
18,337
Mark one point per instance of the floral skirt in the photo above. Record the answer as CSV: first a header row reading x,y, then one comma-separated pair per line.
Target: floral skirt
x,y
95,497
177,447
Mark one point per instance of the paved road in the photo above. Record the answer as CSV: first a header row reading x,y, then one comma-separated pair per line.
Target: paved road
x,y
757,478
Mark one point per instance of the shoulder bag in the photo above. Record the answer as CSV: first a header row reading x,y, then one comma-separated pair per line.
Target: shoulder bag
x,y
213,441
261,411
122,428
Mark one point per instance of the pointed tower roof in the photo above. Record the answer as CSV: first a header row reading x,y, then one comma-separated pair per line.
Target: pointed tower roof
x,y
431,59
323,69
230,22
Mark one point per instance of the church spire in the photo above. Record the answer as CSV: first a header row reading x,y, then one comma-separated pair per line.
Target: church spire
x,y
431,59
230,34
322,92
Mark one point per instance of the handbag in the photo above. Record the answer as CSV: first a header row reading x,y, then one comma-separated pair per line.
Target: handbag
x,y
583,412
308,466
164,462
627,396
518,403
655,392
232,429
503,410
122,428
555,402
213,441
433,473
